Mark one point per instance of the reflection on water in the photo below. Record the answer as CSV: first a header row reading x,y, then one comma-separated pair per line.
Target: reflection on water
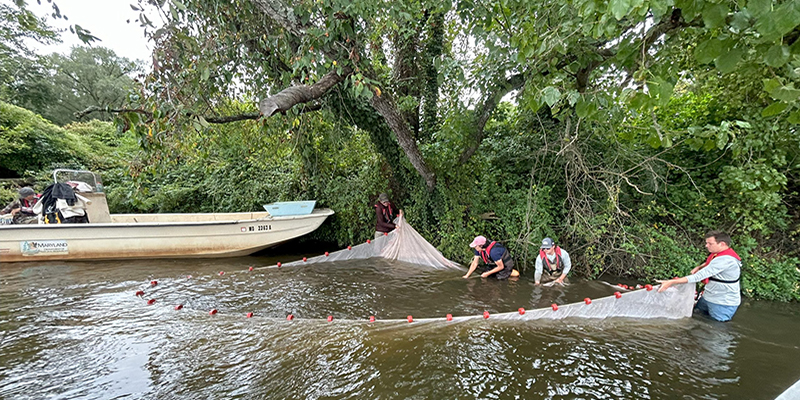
x,y
76,330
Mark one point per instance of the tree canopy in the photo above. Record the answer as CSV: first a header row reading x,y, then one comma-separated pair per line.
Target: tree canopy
x,y
417,63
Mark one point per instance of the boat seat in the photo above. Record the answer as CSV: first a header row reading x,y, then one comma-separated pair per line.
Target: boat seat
x,y
97,211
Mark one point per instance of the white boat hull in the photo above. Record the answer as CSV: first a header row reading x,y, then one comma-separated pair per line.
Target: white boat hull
x,y
136,236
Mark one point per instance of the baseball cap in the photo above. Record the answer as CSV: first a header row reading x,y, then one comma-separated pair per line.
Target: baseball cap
x,y
478,241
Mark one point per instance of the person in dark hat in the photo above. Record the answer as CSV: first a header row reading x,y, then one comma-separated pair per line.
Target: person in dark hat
x,y
22,207
385,214
555,258
495,256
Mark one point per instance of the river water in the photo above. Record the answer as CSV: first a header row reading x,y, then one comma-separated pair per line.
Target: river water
x,y
78,331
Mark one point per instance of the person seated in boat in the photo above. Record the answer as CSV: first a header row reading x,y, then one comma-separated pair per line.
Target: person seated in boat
x,y
22,208
61,205
557,261
721,272
496,258
385,214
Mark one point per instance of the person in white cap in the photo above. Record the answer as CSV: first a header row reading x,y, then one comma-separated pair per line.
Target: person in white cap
x,y
22,207
499,263
557,260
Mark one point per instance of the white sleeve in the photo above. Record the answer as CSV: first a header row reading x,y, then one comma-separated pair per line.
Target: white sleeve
x,y
567,261
537,276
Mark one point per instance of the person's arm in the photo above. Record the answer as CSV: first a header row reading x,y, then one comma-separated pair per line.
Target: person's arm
x,y
10,208
670,282
472,267
704,271
537,275
494,270
567,266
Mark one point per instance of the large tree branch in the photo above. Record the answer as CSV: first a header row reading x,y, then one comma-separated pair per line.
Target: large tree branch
x,y
282,14
93,109
212,119
386,107
291,96
489,104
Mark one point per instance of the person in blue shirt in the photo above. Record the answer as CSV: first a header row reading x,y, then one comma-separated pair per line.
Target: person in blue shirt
x,y
496,257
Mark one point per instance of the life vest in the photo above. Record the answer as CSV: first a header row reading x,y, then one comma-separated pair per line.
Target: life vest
x,y
559,263
727,252
388,213
53,217
27,206
486,254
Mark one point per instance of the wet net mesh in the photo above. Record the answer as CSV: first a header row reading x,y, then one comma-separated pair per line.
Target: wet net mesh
x,y
406,245
403,244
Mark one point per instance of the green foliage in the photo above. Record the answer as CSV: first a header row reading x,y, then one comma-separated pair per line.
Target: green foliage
x,y
635,126
30,143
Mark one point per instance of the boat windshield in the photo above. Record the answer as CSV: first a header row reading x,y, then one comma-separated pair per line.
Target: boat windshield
x,y
85,181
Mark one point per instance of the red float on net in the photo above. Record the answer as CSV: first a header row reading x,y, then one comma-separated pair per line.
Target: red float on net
x,y
212,312
326,254
587,300
385,233
305,259
521,311
349,247
371,318
221,273
554,306
249,315
153,283
369,241
140,293
330,318
179,306
485,315
250,269
289,317
279,264
410,318
449,317
648,287
617,294
151,301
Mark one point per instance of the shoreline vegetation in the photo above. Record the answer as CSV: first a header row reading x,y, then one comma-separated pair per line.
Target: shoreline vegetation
x,y
654,237
625,132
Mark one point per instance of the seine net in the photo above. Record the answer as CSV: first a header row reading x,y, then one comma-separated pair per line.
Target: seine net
x,y
403,244
406,245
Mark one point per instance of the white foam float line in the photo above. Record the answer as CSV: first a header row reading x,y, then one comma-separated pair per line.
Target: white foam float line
x,y
674,303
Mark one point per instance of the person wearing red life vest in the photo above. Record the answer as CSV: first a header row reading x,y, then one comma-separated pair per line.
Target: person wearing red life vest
x,y
722,272
552,259
22,208
499,263
385,214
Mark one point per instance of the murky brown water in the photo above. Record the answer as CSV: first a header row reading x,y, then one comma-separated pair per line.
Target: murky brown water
x,y
77,331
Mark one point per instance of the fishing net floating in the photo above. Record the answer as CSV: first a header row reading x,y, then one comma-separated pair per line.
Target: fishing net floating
x,y
407,245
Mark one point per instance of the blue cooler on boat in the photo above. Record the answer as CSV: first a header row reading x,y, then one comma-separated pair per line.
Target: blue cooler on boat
x,y
284,208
